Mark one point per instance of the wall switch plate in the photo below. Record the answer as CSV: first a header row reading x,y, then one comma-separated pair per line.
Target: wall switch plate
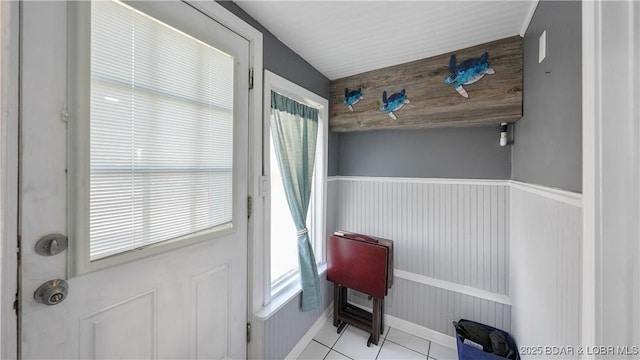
x,y
542,46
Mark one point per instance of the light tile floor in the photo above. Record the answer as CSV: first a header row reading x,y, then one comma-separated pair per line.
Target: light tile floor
x,y
352,344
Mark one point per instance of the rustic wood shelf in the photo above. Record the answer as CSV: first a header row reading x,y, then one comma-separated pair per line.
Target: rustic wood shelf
x,y
494,99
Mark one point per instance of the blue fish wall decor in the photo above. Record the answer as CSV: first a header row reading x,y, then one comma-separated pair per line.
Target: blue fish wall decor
x,y
352,97
467,72
393,103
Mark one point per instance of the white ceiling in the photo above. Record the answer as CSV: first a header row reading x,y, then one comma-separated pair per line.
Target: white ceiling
x,y
342,38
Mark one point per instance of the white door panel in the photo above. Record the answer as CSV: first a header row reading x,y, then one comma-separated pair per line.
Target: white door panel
x,y
186,303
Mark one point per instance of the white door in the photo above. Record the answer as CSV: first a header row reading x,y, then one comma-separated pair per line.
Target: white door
x,y
188,302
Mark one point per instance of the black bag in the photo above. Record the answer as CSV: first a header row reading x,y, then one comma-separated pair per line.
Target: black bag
x,y
477,341
499,344
476,333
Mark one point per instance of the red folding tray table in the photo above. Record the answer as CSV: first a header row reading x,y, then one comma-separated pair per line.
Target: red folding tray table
x,y
365,264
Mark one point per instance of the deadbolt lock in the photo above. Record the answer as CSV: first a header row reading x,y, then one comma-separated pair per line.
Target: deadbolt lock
x,y
51,292
51,244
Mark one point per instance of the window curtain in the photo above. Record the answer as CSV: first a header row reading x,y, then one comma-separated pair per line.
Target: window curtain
x,y
294,130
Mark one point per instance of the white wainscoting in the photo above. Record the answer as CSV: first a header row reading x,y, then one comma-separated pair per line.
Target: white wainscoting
x,y
546,266
284,329
454,258
435,308
452,230
450,241
279,333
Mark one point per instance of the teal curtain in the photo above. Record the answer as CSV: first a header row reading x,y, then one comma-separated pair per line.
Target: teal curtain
x,y
294,130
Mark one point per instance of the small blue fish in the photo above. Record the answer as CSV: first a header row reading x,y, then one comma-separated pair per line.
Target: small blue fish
x,y
468,72
352,97
393,103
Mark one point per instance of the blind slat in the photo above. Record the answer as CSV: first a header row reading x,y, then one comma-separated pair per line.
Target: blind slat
x,y
161,134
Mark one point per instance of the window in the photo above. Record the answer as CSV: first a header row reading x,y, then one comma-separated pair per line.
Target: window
x,y
161,133
282,255
284,264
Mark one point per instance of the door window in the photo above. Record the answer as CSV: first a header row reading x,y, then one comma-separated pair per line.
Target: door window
x,y
161,133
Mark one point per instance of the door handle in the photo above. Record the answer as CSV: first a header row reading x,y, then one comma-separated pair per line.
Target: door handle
x,y
51,292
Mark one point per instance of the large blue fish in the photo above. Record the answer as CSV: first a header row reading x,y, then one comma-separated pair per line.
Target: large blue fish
x,y
352,97
394,102
467,72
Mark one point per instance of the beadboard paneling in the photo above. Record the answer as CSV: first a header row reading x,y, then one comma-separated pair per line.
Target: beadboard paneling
x,y
284,329
504,237
435,308
333,188
546,268
450,230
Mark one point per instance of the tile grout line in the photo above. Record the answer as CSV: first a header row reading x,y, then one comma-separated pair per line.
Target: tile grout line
x,y
384,341
348,357
335,342
379,350
408,348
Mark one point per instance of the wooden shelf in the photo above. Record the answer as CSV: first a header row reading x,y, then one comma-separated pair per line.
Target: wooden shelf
x,y
494,99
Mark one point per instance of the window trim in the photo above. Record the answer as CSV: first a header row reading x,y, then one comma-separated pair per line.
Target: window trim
x,y
290,287
288,294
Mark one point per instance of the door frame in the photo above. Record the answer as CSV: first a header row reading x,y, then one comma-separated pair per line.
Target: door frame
x,y
610,174
9,153
9,180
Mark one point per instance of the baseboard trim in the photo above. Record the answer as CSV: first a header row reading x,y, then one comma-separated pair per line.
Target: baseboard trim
x,y
392,321
313,330
420,331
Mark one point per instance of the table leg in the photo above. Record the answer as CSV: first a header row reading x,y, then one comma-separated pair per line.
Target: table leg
x,y
375,321
336,304
382,316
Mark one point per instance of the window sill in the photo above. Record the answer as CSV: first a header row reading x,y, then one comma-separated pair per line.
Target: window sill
x,y
283,298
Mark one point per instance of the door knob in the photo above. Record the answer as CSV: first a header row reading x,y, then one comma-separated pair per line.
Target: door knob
x,y
51,244
51,292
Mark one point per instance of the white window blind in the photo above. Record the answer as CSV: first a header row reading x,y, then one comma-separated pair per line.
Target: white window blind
x,y
161,132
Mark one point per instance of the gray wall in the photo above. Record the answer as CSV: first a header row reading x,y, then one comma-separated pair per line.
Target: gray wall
x,y
440,153
548,139
281,60
467,153
285,328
